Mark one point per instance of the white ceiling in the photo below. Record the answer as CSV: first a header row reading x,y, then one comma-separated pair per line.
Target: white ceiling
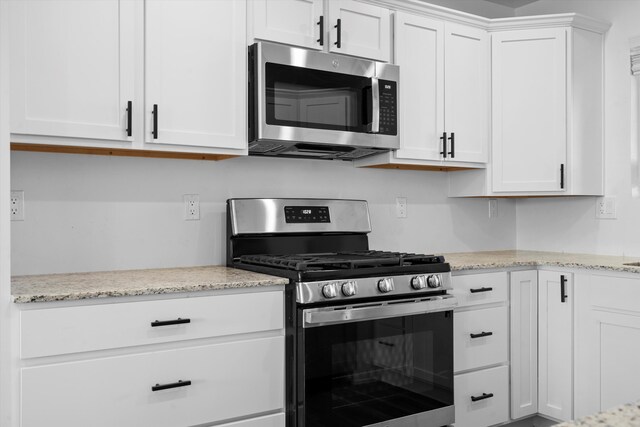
x,y
512,3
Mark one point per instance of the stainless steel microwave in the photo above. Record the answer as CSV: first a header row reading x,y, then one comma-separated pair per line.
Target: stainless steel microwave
x,y
311,104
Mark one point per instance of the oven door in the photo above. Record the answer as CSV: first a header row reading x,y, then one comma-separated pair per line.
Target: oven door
x,y
376,365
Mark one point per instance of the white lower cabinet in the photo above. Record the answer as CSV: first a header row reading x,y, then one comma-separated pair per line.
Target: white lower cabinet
x,y
555,344
607,342
481,381
482,397
228,366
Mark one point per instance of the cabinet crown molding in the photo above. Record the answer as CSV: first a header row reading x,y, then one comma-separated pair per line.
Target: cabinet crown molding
x,y
574,20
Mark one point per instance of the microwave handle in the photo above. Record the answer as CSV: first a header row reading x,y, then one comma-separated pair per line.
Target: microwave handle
x,y
375,106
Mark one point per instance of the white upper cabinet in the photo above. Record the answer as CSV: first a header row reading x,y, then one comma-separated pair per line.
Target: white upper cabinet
x,y
341,26
294,22
444,95
466,108
196,73
529,110
72,68
547,110
360,29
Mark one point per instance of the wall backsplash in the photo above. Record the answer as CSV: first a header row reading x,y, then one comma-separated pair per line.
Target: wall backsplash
x,y
92,213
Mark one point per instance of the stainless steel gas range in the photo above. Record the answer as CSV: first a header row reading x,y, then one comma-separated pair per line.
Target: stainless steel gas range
x,y
369,333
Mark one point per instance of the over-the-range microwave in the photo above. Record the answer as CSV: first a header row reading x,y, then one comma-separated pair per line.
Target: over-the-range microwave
x,y
311,104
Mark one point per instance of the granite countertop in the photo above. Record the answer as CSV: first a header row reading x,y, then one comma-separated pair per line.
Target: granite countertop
x,y
514,258
620,416
77,286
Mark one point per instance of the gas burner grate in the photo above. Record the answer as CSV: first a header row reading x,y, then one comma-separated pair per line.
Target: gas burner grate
x,y
341,260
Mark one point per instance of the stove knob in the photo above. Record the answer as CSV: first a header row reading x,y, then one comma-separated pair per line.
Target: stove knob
x,y
349,288
329,291
419,282
434,281
385,285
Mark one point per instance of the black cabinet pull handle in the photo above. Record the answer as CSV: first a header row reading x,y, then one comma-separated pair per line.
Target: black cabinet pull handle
x,y
484,396
129,118
477,290
453,145
338,26
388,344
321,24
177,321
563,284
481,334
443,138
155,121
562,175
180,383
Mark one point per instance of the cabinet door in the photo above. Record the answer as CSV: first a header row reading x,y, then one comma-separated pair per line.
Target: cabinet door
x,y
529,109
466,92
196,72
555,344
420,55
607,342
524,343
364,30
294,22
72,68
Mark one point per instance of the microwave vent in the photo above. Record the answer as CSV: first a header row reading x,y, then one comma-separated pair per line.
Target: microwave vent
x,y
265,147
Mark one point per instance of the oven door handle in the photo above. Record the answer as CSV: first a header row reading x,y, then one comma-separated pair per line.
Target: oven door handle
x,y
314,317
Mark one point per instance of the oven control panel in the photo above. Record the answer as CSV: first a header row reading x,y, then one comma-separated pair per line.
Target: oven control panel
x,y
306,214
372,287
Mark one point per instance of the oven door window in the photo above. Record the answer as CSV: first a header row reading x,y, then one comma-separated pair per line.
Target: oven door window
x,y
308,98
361,373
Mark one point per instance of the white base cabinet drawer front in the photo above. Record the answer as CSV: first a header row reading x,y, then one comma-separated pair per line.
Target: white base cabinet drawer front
x,y
480,338
482,397
484,288
68,330
228,381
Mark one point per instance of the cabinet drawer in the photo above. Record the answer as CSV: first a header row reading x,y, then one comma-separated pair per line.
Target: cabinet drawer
x,y
483,288
228,380
480,338
67,330
483,412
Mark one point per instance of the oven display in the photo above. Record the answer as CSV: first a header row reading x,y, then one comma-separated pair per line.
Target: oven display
x,y
306,214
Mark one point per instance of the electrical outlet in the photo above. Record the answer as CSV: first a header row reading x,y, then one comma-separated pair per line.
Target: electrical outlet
x,y
493,208
191,207
606,207
17,205
401,207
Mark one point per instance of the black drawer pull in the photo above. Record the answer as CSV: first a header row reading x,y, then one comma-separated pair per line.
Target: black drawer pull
x,y
177,321
388,344
563,289
481,334
484,396
180,383
477,290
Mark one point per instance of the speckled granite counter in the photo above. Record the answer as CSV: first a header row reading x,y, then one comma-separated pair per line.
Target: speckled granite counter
x,y
76,286
620,416
513,258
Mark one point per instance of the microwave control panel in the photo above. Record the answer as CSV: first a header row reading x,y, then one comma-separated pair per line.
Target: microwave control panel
x,y
388,107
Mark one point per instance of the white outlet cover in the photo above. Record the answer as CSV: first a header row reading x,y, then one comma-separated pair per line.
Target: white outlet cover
x,y
606,207
191,207
401,207
16,203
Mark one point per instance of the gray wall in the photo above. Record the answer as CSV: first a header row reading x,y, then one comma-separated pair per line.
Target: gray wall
x,y
90,213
